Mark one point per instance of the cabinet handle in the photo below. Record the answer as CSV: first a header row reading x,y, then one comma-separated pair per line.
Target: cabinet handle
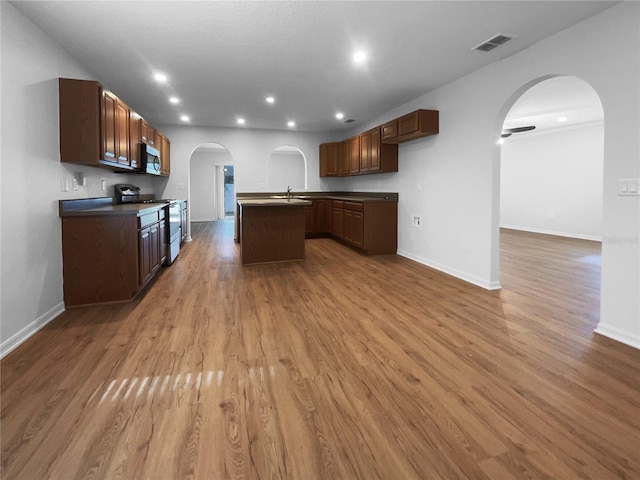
x,y
109,154
121,158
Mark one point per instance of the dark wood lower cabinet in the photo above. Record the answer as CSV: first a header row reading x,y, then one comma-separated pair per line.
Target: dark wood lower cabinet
x,y
368,226
110,258
354,228
337,219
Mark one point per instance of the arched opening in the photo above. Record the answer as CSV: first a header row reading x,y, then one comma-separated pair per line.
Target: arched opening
x,y
287,167
211,183
549,172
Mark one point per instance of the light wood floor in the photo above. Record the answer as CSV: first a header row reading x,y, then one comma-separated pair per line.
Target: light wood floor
x,y
342,366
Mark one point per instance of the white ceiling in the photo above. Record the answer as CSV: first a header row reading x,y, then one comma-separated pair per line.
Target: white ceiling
x,y
223,58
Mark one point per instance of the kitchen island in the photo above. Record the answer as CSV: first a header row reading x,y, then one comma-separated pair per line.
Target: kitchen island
x,y
271,229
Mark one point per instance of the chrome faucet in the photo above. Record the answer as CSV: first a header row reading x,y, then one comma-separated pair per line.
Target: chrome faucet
x,y
289,192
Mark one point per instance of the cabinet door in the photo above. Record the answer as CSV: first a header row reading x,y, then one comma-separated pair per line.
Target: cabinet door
x,y
408,123
322,216
134,140
337,223
122,133
165,156
144,131
109,128
151,136
309,221
344,158
390,130
154,243
375,164
354,155
354,228
329,159
145,255
365,152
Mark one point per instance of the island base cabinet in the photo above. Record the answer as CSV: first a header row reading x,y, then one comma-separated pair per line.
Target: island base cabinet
x,y
271,233
100,259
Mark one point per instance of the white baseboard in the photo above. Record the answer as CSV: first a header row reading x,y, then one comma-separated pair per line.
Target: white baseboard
x,y
618,335
494,285
553,232
10,344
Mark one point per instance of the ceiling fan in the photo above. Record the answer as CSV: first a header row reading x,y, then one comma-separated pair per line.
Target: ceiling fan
x,y
507,132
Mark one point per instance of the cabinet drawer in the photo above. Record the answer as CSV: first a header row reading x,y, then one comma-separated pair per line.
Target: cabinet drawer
x,y
338,204
355,206
148,219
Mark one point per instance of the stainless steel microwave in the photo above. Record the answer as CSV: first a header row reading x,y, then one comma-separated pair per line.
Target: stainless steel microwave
x,y
151,161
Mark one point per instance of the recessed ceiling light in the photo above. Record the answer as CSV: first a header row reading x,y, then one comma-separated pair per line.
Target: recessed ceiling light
x,y
160,77
240,121
270,100
185,118
359,56
174,100
339,115
562,119
291,124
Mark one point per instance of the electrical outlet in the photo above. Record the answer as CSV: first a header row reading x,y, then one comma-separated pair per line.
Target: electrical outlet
x,y
417,221
181,186
64,184
629,187
419,187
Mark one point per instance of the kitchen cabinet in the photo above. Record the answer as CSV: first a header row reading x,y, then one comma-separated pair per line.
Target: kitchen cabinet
x,y
165,154
322,218
337,219
98,129
151,245
345,158
376,157
309,220
183,221
354,223
369,226
329,159
354,155
418,124
110,257
389,130
134,140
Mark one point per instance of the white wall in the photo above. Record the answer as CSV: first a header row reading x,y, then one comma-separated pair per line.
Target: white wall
x,y
551,182
31,248
459,169
286,169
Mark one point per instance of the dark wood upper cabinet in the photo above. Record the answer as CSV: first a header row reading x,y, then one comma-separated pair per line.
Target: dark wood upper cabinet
x,y
418,124
389,130
354,155
329,159
98,129
377,157
345,146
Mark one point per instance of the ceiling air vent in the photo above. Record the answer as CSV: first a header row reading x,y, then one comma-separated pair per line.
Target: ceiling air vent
x,y
349,120
494,42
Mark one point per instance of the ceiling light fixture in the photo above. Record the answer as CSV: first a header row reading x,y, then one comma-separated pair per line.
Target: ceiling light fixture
x,y
160,77
174,100
270,100
185,118
562,119
291,123
240,121
339,115
359,56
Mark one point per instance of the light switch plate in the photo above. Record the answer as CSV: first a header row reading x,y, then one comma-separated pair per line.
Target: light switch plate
x,y
629,187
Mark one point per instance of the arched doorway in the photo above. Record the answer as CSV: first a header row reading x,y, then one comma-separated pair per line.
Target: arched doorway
x,y
287,167
549,163
211,193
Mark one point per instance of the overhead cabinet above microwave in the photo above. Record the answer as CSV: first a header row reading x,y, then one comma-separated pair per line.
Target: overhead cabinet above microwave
x,y
98,129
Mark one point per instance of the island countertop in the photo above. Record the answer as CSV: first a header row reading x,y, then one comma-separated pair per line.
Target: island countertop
x,y
272,202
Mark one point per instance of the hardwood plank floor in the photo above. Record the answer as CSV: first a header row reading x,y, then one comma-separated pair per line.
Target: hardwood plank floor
x,y
339,367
